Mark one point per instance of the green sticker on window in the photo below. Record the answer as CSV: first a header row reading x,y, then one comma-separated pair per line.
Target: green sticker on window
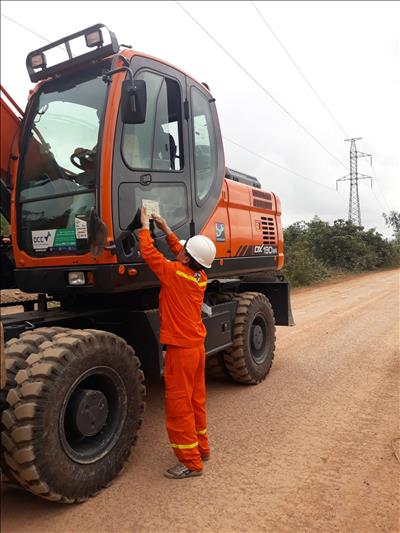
x,y
64,237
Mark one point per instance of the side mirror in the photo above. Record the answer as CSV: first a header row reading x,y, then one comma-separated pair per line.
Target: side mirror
x,y
97,234
133,101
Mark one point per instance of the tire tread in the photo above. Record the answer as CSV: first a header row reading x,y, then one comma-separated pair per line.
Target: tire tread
x,y
236,358
28,397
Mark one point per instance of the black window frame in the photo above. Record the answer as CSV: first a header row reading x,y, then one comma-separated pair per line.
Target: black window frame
x,y
213,146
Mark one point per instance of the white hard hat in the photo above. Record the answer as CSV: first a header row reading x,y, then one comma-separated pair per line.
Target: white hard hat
x,y
202,249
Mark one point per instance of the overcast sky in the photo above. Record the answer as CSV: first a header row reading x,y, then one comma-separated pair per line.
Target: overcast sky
x,y
348,51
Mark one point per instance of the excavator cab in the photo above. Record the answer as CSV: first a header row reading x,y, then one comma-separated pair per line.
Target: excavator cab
x,y
103,135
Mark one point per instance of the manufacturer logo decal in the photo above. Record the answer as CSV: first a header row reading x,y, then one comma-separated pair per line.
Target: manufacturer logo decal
x,y
220,231
60,240
43,239
264,249
258,249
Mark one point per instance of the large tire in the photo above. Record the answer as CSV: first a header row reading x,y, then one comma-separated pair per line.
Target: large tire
x,y
215,367
2,360
74,415
250,357
16,351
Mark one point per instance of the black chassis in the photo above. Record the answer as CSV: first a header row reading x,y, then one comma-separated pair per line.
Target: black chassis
x,y
135,317
139,327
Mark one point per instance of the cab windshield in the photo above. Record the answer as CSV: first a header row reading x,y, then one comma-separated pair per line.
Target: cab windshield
x,y
59,170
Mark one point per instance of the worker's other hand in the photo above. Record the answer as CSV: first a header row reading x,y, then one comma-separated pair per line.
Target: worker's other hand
x,y
83,158
161,223
144,219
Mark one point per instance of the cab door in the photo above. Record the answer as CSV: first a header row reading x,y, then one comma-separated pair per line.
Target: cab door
x,y
209,193
151,162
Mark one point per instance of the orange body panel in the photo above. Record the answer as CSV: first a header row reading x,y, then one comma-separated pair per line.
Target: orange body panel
x,y
280,233
246,224
10,121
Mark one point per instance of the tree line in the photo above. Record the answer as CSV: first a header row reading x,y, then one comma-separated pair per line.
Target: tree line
x,y
317,250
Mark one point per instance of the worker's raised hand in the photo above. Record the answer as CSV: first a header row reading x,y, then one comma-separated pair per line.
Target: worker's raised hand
x,y
161,223
144,219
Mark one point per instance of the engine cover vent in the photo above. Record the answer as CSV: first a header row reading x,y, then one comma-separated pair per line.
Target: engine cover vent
x,y
262,194
262,204
268,230
262,199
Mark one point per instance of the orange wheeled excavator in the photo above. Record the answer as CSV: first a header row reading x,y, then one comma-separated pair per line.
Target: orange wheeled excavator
x,y
105,132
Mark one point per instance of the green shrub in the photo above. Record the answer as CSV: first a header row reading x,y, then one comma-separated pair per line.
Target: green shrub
x,y
302,268
317,250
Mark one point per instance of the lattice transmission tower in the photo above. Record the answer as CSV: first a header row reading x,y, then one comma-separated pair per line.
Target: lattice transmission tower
x,y
354,200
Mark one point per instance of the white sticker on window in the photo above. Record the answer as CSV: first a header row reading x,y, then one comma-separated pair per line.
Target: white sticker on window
x,y
81,231
152,207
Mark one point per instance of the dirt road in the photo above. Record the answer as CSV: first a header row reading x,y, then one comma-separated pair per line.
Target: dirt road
x,y
309,450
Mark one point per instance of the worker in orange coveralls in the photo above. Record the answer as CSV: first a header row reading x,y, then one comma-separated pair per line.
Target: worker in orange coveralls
x,y
183,283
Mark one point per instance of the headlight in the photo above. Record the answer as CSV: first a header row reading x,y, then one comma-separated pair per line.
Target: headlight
x,y
38,61
95,38
76,278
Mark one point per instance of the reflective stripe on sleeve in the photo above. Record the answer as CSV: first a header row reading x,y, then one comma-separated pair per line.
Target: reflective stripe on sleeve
x,y
185,446
202,432
191,278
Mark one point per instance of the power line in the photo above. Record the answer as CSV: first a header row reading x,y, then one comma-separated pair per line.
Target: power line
x,y
299,69
380,189
378,200
261,86
278,165
31,31
377,181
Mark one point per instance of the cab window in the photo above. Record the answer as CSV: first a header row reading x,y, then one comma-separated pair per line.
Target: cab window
x,y
157,144
171,197
205,147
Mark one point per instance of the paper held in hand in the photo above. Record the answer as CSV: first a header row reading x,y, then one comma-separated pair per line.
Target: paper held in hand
x,y
152,207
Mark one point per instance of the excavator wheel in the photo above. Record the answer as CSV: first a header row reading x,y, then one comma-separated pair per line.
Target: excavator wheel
x,y
73,415
2,360
14,355
250,357
215,367
3,478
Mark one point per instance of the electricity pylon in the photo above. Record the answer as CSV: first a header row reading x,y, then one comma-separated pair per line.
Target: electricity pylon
x,y
353,177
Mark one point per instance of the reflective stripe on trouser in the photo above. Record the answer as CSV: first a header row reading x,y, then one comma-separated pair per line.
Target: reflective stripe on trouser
x,y
185,398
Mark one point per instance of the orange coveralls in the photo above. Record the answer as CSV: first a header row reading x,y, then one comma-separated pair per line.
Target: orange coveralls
x,y
182,330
